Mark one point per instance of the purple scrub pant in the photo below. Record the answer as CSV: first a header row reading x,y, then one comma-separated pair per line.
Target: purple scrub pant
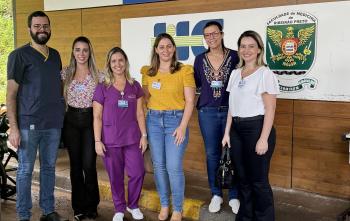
x,y
116,160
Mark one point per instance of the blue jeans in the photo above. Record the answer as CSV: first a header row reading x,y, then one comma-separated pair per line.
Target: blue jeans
x,y
212,122
47,141
167,157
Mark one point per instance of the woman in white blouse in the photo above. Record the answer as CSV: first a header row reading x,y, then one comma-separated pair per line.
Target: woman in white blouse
x,y
249,129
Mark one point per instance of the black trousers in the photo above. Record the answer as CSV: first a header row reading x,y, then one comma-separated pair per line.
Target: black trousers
x,y
252,170
79,140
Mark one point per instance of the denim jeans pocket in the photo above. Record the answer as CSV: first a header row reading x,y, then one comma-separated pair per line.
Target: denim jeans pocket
x,y
179,115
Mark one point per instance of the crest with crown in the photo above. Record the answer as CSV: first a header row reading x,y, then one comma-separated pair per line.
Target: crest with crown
x,y
291,43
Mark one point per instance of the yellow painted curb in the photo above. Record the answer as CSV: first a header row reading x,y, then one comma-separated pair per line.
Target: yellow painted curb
x,y
105,190
192,208
150,200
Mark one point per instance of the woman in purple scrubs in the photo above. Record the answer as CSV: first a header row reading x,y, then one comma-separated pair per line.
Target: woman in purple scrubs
x,y
120,132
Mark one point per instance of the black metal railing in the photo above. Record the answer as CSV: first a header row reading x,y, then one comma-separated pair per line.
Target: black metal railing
x,y
8,159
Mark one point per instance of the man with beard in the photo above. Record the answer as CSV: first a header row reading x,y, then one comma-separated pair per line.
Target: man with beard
x,y
35,109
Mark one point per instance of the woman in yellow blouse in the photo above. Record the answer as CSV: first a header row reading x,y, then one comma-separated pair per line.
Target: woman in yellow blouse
x,y
169,90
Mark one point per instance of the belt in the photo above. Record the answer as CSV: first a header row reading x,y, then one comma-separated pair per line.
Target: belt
x,y
164,112
241,119
218,109
80,110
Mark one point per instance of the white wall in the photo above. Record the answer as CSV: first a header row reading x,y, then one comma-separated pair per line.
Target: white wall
x,y
329,71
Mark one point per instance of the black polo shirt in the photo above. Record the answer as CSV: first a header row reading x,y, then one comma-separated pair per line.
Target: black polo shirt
x,y
40,104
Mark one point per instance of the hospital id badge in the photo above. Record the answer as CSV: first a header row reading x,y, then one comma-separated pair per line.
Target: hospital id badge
x,y
123,103
79,87
156,85
241,83
216,84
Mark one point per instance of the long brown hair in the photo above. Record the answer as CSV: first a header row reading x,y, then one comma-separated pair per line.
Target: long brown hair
x,y
259,42
155,62
72,67
109,77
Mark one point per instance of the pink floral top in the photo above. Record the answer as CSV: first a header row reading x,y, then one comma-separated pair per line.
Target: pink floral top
x,y
80,93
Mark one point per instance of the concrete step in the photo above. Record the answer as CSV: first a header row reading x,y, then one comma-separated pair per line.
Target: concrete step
x,y
149,197
290,204
63,207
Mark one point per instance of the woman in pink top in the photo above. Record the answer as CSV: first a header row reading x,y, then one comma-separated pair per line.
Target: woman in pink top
x,y
80,79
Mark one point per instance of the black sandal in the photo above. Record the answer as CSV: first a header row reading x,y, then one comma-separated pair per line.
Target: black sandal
x,y
92,215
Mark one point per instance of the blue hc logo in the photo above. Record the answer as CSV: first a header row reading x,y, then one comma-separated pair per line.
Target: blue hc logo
x,y
181,34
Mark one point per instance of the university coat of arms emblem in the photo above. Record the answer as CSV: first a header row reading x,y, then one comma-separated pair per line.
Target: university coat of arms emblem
x,y
291,49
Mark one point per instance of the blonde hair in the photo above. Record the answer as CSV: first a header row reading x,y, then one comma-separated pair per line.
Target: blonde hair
x,y
72,67
109,77
155,62
259,42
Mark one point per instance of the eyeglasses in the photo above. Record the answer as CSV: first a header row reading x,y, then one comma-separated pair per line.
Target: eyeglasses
x,y
213,34
39,26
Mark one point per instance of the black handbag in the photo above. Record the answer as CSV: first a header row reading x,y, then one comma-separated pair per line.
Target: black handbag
x,y
225,175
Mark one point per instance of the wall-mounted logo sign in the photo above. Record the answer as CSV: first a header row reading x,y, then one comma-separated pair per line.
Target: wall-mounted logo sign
x,y
306,46
291,49
184,38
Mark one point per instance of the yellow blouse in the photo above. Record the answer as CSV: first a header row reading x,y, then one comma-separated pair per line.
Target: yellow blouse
x,y
166,89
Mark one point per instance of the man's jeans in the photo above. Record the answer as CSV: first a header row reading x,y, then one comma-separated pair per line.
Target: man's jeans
x,y
212,122
47,141
167,157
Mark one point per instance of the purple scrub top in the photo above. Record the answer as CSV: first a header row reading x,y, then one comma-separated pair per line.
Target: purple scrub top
x,y
119,124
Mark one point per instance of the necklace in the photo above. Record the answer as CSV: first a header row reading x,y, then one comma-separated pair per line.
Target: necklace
x,y
120,85
44,50
216,60
245,73
248,71
80,77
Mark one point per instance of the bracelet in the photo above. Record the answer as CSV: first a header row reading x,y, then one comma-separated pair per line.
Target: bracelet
x,y
144,135
97,141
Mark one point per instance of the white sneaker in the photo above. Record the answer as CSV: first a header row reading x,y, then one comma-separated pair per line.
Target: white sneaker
x,y
234,203
135,213
118,217
215,204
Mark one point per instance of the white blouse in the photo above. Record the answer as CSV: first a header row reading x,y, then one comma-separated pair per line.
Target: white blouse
x,y
245,98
